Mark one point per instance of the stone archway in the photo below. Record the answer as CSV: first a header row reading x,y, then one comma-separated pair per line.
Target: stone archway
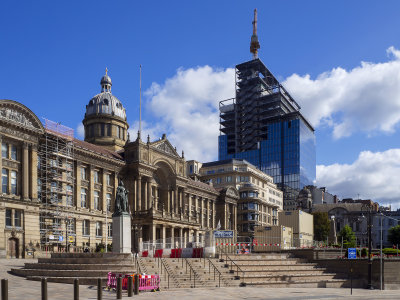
x,y
164,178
13,248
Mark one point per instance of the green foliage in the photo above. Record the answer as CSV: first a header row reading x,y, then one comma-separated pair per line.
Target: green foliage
x,y
394,235
321,226
101,247
390,251
364,252
349,238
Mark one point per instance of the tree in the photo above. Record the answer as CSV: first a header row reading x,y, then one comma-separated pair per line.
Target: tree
x,y
349,238
394,235
321,226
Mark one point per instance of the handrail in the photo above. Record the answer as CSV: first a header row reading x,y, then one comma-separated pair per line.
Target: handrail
x,y
191,270
137,264
165,268
215,269
232,263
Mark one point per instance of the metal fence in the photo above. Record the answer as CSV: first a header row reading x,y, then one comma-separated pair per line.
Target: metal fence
x,y
173,243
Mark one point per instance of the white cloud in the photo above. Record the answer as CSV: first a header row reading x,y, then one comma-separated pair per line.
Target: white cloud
x,y
155,131
366,98
80,130
186,106
374,175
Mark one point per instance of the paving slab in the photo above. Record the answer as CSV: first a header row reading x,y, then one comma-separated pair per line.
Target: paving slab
x,y
22,289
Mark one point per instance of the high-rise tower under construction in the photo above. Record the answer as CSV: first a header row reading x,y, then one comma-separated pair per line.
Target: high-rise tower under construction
x,y
263,124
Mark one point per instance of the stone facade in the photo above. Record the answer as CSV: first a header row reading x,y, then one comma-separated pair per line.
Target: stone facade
x,y
163,201
259,198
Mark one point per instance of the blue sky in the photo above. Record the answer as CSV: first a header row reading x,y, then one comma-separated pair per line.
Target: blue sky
x,y
54,53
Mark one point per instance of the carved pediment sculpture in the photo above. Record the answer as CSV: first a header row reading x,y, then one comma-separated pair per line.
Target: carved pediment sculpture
x,y
17,113
166,147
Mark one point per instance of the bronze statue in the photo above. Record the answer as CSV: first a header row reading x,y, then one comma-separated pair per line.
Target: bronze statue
x,y
121,200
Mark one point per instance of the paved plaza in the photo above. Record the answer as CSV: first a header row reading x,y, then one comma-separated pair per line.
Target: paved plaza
x,y
22,289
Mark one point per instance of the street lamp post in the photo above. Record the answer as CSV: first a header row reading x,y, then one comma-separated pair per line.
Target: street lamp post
x,y
368,208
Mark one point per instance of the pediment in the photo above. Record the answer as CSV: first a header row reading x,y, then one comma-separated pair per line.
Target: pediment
x,y
18,114
232,192
165,146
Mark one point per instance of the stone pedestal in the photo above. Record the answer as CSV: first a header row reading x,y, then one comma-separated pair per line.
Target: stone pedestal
x,y
121,236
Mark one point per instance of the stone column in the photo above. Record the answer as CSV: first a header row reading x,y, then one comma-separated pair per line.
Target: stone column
x,y
168,199
226,207
135,202
145,207
185,237
181,237
153,230
196,207
104,192
139,193
235,218
172,237
189,207
25,171
176,200
208,213
149,196
213,215
91,188
34,170
183,202
202,212
78,188
163,235
156,198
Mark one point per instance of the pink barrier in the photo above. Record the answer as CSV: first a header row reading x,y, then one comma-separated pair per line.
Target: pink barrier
x,y
146,282
149,282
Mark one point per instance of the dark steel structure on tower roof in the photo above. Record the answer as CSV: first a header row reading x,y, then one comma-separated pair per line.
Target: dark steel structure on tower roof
x,y
263,124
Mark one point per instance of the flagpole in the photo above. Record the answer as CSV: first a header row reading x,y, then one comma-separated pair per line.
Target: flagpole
x,y
140,102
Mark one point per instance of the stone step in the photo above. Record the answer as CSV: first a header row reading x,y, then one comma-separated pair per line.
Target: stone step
x,y
333,283
49,266
109,255
267,261
84,261
67,273
70,280
287,278
292,272
275,267
258,256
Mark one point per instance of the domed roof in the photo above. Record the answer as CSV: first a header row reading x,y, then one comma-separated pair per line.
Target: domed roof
x,y
106,102
105,80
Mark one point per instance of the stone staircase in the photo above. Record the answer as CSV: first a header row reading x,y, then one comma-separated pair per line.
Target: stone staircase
x,y
181,276
87,267
271,270
282,270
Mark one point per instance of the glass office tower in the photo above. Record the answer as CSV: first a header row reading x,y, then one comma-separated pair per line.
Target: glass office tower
x,y
264,126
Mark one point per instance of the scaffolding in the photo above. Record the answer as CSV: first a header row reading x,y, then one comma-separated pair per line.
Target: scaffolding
x,y
56,185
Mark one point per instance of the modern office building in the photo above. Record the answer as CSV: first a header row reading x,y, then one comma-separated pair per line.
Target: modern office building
x,y
260,200
263,125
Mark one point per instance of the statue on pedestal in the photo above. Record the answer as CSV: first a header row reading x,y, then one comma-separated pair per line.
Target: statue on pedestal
x,y
121,222
121,200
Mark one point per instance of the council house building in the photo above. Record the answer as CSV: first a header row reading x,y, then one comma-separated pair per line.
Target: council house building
x,y
58,191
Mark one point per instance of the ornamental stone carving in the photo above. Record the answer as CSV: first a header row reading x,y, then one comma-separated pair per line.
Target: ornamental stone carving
x,y
15,116
166,148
